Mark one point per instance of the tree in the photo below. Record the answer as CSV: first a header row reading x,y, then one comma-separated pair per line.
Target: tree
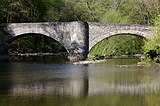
x,y
11,10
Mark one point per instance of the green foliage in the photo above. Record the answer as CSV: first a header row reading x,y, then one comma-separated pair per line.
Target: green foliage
x,y
35,44
118,45
11,10
105,11
113,16
153,43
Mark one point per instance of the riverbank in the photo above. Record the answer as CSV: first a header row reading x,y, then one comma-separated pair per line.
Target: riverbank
x,y
101,59
62,55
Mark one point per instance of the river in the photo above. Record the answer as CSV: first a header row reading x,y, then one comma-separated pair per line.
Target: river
x,y
115,82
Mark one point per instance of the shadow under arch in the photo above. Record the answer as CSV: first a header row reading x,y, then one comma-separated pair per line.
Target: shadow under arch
x,y
119,34
36,35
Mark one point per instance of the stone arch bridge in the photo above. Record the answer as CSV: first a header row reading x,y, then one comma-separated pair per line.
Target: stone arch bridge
x,y
77,37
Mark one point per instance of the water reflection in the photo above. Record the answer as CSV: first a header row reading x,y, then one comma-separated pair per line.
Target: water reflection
x,y
128,80
37,78
67,79
5,78
120,81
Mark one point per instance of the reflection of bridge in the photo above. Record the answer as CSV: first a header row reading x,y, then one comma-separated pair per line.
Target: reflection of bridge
x,y
79,82
77,37
83,87
80,88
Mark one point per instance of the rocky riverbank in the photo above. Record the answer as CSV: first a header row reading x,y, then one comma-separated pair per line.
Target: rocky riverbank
x,y
61,54
88,62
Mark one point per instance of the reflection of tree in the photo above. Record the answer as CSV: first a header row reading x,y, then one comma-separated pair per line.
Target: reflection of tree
x,y
152,99
5,78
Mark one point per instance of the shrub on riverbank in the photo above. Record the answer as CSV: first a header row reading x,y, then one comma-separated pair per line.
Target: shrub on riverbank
x,y
152,45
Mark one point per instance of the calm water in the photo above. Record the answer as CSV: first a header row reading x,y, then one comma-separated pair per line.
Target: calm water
x,y
116,82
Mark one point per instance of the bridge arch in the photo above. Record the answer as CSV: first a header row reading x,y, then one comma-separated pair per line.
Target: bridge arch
x,y
98,31
36,35
45,29
103,37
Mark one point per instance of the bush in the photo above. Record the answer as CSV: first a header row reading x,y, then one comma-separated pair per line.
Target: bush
x,y
153,43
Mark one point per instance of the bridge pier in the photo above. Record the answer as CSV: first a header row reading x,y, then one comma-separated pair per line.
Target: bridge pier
x,y
79,46
77,57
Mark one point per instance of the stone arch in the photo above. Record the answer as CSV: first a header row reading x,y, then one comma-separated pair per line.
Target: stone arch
x,y
98,31
103,37
34,34
51,30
